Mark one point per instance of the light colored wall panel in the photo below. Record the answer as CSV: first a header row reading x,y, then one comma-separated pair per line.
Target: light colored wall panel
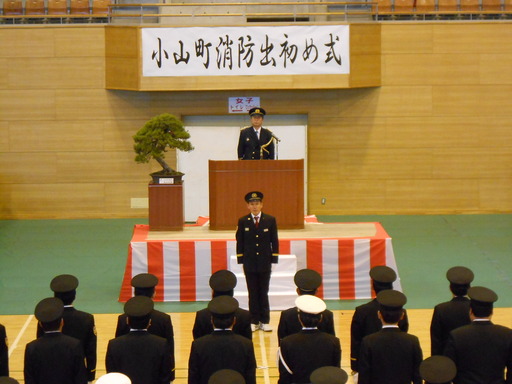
x,y
433,132
389,101
4,136
56,136
94,167
472,163
385,164
57,200
473,38
27,42
25,167
495,195
491,100
422,69
407,38
118,134
356,132
57,73
495,68
76,43
433,196
27,105
118,198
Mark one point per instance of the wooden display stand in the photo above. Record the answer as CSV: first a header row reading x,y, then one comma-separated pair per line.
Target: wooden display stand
x,y
280,181
165,207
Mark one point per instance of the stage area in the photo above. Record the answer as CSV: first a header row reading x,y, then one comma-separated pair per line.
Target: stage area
x,y
342,253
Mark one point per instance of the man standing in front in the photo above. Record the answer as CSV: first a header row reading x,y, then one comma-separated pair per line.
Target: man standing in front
x,y
257,247
256,142
481,350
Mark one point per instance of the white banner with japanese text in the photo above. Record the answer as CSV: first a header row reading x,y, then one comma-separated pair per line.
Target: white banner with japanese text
x,y
235,51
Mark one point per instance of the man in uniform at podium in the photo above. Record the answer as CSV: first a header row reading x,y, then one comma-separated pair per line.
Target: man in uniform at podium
x,y
257,247
256,142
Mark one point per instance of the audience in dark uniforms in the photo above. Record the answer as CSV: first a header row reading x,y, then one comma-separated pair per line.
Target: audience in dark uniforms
x,y
467,348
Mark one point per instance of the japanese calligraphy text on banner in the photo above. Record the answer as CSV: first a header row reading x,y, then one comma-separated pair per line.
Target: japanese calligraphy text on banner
x,y
236,51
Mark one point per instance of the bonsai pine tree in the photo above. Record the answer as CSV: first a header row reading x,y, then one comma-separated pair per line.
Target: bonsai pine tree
x,y
159,134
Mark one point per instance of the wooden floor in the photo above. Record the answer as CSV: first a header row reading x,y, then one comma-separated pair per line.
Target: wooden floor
x,y
21,329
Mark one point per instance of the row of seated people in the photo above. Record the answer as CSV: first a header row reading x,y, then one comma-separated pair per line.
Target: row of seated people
x,y
42,8
446,8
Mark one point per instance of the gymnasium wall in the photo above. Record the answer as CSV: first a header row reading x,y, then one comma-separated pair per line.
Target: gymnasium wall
x,y
436,137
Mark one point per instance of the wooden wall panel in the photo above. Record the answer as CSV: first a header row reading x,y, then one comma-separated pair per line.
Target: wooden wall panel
x,y
56,136
27,105
436,137
57,73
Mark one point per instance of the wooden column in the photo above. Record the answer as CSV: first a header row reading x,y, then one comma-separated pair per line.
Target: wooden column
x,y
165,207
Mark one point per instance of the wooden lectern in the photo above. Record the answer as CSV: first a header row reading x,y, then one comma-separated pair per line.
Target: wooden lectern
x,y
165,207
281,182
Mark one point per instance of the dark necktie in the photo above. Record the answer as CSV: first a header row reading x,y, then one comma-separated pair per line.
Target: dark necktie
x,y
256,221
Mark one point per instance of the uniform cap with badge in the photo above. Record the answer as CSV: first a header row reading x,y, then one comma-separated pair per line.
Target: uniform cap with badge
x,y
223,281
257,111
226,376
49,310
328,375
253,196
144,280
482,296
114,378
460,275
307,280
391,299
310,304
438,370
64,283
223,306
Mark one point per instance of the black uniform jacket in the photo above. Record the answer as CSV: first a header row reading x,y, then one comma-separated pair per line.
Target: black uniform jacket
x,y
54,358
289,323
161,325
203,323
447,317
257,248
306,351
249,147
481,351
143,357
4,352
365,321
221,349
390,356
80,325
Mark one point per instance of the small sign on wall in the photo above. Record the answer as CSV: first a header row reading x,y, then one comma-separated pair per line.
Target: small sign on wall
x,y
243,104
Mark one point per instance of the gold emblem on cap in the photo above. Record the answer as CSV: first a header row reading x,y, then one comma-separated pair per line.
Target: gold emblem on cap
x,y
254,195
257,110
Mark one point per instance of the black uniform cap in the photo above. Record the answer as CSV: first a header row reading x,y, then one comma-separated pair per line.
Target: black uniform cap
x,y
391,299
257,111
438,370
307,280
482,295
144,280
138,306
253,196
63,283
49,309
223,306
226,376
328,375
8,380
460,275
223,281
382,274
